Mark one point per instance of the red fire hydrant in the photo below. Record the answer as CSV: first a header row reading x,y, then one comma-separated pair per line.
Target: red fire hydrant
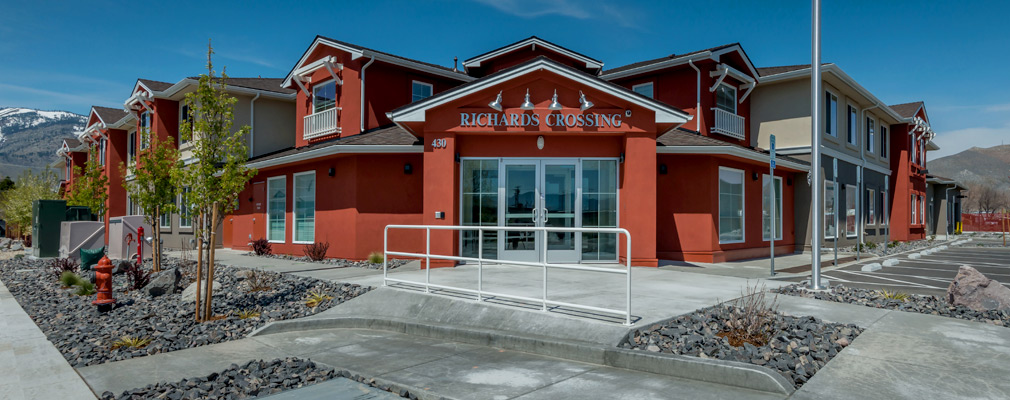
x,y
140,246
103,279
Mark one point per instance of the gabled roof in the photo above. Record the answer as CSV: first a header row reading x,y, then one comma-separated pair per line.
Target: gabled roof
x,y
414,112
359,51
109,116
156,86
685,141
267,84
677,59
387,139
907,110
71,143
532,41
766,71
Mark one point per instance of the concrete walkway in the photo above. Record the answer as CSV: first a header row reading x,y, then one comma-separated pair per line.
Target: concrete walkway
x,y
30,366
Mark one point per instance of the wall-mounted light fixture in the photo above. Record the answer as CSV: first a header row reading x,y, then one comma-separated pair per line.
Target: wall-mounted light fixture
x,y
527,104
555,106
754,176
457,158
496,104
540,142
622,158
332,172
408,169
662,169
789,181
586,104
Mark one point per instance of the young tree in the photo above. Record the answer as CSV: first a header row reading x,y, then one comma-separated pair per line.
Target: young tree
x,y
16,203
218,172
6,184
153,188
90,187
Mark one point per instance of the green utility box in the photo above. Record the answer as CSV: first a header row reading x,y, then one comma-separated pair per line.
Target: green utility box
x,y
46,218
79,213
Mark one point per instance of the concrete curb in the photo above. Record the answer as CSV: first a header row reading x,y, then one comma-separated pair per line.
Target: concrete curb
x,y
730,373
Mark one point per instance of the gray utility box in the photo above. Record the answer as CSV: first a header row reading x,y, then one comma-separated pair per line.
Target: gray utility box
x,y
123,236
77,235
46,218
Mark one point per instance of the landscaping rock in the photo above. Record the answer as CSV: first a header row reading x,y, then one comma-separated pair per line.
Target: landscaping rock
x,y
5,243
120,266
189,294
973,290
16,246
244,274
340,262
166,281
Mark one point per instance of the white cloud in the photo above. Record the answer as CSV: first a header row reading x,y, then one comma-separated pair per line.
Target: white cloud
x,y
998,108
584,10
956,141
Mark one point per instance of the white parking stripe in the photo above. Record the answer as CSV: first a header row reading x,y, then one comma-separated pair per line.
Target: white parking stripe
x,y
889,279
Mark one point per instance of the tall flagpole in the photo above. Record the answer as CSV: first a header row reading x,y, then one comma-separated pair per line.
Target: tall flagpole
x,y
815,145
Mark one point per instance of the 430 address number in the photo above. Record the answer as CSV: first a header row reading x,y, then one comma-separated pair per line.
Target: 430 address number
x,y
438,143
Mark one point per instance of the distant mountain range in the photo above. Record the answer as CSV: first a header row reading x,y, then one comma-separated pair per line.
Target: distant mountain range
x,y
29,138
975,164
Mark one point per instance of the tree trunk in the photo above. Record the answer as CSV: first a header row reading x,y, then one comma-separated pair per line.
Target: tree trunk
x,y
156,246
199,265
210,262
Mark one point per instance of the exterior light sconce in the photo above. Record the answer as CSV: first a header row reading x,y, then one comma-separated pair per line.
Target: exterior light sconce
x,y
496,104
789,181
332,172
622,158
540,142
586,104
555,106
408,169
457,158
527,104
754,176
662,169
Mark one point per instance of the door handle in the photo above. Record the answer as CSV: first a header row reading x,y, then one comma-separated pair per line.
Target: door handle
x,y
534,219
545,218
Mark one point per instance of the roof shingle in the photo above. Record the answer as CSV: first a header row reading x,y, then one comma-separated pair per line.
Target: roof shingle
x,y
110,115
392,135
156,86
907,110
661,59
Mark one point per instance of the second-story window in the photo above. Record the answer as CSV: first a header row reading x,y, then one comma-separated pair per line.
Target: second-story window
x,y
69,170
915,147
420,91
145,129
870,139
830,114
725,98
101,151
883,140
324,97
184,120
131,148
853,122
644,89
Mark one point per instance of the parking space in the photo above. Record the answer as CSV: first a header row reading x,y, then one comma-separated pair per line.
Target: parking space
x,y
930,274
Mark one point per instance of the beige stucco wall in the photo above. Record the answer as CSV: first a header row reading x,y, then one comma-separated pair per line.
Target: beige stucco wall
x,y
274,128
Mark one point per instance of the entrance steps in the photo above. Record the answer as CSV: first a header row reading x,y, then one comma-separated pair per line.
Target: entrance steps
x,y
523,330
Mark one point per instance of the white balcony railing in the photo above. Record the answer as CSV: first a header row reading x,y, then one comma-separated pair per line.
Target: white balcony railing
x,y
321,124
729,124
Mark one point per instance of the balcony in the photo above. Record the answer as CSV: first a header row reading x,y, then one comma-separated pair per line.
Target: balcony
x,y
729,124
321,124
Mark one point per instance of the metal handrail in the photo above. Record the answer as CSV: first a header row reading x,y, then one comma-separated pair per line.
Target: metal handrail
x,y
480,260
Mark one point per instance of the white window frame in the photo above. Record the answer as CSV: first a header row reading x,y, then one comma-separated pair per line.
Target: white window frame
x,y
431,89
914,207
915,148
883,204
144,131
922,210
650,84
851,129
131,147
871,206
102,150
284,183
871,138
743,207
294,207
831,112
855,210
834,209
781,206
736,95
184,205
312,103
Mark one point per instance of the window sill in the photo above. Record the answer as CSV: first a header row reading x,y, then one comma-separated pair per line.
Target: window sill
x,y
767,241
733,242
276,241
302,242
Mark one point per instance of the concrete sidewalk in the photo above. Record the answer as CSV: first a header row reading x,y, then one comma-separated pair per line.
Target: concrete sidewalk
x,y
30,366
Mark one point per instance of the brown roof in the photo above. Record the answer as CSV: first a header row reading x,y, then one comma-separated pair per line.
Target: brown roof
x,y
110,115
72,143
267,84
156,86
781,69
392,135
661,59
685,137
391,55
530,38
907,110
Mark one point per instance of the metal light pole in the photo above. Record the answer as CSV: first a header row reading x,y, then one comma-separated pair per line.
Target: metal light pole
x,y
815,144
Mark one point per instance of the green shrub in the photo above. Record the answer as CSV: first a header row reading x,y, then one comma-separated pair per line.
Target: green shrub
x,y
375,258
68,279
85,288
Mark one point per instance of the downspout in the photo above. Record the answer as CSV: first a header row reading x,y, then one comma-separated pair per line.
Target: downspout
x,y
697,96
252,124
370,61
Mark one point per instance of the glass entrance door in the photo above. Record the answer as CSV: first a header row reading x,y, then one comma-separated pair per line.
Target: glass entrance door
x,y
521,200
559,188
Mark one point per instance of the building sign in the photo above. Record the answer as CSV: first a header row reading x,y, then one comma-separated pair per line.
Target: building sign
x,y
522,120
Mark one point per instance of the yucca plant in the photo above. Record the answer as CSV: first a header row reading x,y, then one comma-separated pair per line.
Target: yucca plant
x,y
130,342
893,295
246,314
315,299
375,257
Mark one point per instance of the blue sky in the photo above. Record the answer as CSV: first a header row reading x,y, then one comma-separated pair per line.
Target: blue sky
x,y
69,55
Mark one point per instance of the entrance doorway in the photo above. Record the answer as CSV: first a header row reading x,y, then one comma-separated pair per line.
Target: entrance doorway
x,y
556,192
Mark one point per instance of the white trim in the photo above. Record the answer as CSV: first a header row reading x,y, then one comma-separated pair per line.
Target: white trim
x,y
312,95
416,112
294,209
283,179
781,207
650,84
707,54
534,41
743,206
430,86
337,149
730,151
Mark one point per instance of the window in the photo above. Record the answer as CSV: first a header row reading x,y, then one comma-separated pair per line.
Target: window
x,y
830,114
644,89
871,205
731,212
851,222
184,120
165,221
922,153
101,151
883,205
870,139
276,201
725,98
853,124
914,207
883,141
185,218
145,129
922,210
420,91
766,201
914,147
324,96
599,209
69,170
829,210
305,207
479,188
131,147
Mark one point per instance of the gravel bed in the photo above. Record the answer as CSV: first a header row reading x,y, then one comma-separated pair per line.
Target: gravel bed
x,y
392,263
255,378
922,304
86,336
883,249
799,346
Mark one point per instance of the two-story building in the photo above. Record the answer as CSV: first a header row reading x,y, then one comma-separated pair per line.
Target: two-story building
x,y
106,133
72,155
911,141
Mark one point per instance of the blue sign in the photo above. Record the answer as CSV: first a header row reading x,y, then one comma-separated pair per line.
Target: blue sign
x,y
772,137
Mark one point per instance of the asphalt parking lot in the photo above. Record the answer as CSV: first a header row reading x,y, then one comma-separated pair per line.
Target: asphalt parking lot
x,y
930,275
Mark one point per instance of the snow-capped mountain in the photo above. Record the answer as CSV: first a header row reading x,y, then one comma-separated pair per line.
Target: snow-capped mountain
x,y
29,138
